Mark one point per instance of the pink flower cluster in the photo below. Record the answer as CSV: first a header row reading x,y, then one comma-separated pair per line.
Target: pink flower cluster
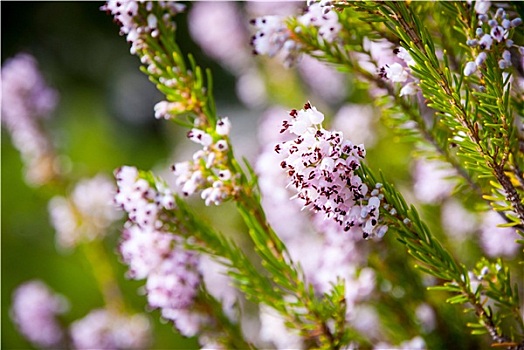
x,y
105,329
171,272
35,309
321,166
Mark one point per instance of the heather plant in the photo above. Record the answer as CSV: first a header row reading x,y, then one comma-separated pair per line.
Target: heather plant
x,y
337,249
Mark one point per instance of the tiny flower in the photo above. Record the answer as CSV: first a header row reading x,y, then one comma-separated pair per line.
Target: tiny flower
x,y
166,110
404,55
481,58
485,42
396,72
200,137
498,33
516,22
223,126
222,146
472,42
224,175
152,21
320,15
271,36
470,68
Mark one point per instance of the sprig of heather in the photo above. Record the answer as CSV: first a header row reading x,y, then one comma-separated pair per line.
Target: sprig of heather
x,y
163,245
150,28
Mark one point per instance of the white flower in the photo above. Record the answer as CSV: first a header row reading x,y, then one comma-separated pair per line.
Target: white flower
x,y
404,55
396,73
223,126
200,137
485,42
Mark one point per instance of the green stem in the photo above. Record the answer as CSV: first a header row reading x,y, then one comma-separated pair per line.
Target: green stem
x,y
104,274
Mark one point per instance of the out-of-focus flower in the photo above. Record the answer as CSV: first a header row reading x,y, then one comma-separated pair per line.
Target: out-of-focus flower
x,y
357,123
482,6
432,181
26,102
324,80
426,316
498,241
86,214
273,329
457,222
219,284
35,309
227,41
272,37
105,329
321,15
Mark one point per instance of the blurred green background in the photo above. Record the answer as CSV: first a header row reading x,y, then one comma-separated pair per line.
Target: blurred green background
x,y
104,120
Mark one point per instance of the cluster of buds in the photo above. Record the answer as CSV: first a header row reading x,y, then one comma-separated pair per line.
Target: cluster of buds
x,y
209,170
322,165
492,34
274,36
